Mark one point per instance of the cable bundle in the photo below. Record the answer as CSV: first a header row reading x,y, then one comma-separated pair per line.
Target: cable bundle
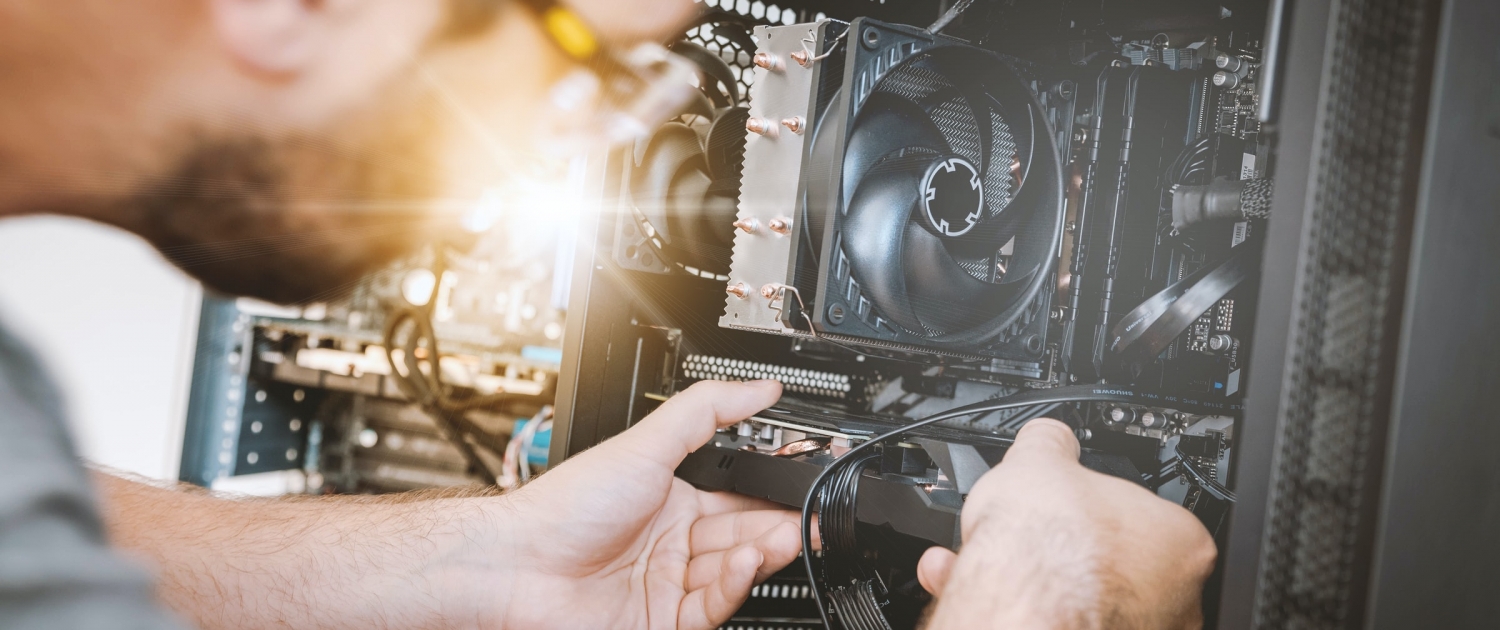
x,y
855,592
853,608
858,607
426,386
515,467
1191,162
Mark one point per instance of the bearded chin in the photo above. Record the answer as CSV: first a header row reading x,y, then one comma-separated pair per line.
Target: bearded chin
x,y
226,217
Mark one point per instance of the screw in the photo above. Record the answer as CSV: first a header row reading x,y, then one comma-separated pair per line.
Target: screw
x,y
1065,89
1071,227
737,290
780,225
1057,314
836,314
746,225
767,60
793,124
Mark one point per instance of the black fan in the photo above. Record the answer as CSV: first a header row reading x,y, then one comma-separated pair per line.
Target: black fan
x,y
685,184
951,200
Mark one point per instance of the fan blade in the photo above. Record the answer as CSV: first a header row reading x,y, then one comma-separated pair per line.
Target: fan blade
x,y
725,146
698,228
670,149
699,105
905,270
715,68
886,124
961,73
944,297
879,213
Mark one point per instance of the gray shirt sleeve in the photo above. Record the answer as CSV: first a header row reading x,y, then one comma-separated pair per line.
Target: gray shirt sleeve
x,y
56,570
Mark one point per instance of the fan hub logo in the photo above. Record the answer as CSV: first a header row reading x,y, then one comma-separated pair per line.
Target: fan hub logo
x,y
952,196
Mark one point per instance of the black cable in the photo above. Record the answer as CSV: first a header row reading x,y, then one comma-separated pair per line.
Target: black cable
x,y
1203,479
1068,394
948,16
1147,329
837,503
858,606
855,597
427,393
1177,171
428,389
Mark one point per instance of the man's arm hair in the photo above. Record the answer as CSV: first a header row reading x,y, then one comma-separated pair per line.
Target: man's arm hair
x,y
313,562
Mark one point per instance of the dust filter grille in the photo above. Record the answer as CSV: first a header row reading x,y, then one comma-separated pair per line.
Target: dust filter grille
x,y
1336,403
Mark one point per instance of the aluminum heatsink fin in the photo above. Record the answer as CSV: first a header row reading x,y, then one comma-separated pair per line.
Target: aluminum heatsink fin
x,y
770,180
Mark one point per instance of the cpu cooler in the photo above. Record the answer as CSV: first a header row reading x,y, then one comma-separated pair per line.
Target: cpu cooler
x,y
929,209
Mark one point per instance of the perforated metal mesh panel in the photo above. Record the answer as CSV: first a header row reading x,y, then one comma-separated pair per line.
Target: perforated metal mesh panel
x,y
709,35
1336,394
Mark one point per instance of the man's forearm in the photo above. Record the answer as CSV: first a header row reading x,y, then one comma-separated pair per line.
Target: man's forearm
x,y
333,562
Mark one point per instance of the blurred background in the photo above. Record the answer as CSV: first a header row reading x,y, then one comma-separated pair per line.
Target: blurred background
x,y
115,324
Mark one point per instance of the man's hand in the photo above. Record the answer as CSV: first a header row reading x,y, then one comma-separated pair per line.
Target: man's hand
x,y
1050,544
610,539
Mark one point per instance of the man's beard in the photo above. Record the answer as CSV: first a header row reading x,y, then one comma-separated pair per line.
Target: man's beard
x,y
224,217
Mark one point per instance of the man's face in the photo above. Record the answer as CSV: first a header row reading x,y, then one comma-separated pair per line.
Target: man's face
x,y
298,144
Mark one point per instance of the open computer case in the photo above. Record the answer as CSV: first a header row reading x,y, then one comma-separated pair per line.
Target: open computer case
x,y
1243,247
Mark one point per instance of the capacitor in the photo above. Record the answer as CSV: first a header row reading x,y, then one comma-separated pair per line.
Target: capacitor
x,y
1153,420
1119,415
1220,342
1226,80
1229,62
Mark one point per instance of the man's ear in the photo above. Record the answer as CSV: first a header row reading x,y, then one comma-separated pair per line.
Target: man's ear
x,y
275,36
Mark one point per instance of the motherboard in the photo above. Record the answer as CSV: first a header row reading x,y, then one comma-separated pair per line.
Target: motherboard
x,y
934,233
